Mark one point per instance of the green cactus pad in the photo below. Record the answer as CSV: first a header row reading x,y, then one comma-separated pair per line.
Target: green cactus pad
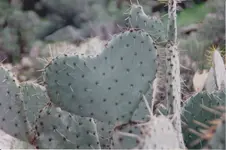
x,y
108,87
198,108
59,129
107,135
35,99
12,119
152,25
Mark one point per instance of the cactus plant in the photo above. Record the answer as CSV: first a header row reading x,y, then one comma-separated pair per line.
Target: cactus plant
x,y
118,77
12,115
198,110
173,86
34,99
88,102
28,115
52,127
152,25
59,129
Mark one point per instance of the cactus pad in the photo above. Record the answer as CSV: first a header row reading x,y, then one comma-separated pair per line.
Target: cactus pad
x,y
59,129
197,112
12,119
108,87
152,25
35,99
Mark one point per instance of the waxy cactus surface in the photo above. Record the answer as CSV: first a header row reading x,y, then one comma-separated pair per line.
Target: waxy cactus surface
x,y
109,87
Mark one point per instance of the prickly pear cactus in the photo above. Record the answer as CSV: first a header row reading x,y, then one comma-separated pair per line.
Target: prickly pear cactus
x,y
153,25
53,128
109,95
108,133
35,99
59,129
12,118
198,110
173,86
108,87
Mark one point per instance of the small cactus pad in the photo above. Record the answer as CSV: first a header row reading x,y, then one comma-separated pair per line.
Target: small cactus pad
x,y
197,112
153,25
12,120
108,87
35,99
59,129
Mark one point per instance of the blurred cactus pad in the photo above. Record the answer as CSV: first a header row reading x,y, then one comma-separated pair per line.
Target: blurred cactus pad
x,y
112,74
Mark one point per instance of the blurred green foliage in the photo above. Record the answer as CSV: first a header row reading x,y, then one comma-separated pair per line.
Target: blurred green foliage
x,y
192,15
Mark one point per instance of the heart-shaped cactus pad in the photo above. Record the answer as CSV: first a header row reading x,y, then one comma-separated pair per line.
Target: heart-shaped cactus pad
x,y
108,87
